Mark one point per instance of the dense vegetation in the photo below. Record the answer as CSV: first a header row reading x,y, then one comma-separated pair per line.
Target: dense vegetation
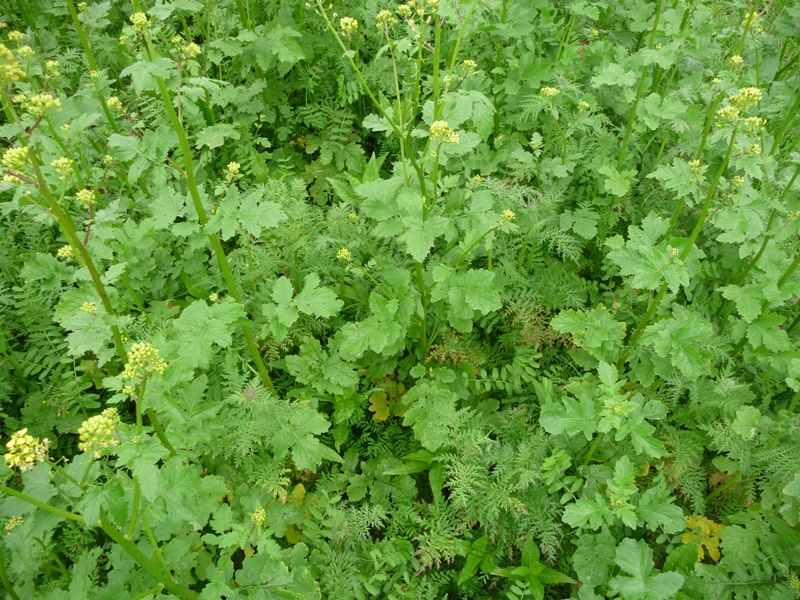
x,y
445,299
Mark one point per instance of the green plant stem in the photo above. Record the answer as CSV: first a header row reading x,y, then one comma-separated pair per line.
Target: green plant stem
x,y
154,591
151,414
400,122
4,577
732,481
791,114
460,37
146,563
194,192
687,248
475,243
593,448
39,504
154,544
639,91
796,398
424,302
793,325
67,226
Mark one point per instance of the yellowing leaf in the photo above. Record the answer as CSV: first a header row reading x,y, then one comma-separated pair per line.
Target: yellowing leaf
x,y
292,534
708,536
298,493
379,404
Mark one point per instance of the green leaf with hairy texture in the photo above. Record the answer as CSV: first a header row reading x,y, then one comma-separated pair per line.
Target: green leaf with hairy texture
x,y
317,301
431,413
613,74
467,292
764,332
617,182
298,432
596,331
215,136
201,327
143,73
419,236
587,513
684,340
327,374
635,559
748,299
679,178
255,215
593,557
572,418
655,507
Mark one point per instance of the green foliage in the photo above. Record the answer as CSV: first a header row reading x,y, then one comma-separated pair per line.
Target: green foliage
x,y
449,299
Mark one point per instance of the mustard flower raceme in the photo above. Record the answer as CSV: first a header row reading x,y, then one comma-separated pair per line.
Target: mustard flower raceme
x,y
98,433
24,450
385,19
549,92
15,158
348,25
15,36
258,516
233,169
469,65
66,252
10,69
85,197
90,308
140,22
443,133
143,360
12,523
344,254
746,97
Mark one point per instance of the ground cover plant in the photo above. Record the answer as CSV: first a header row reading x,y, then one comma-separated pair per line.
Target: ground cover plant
x,y
437,299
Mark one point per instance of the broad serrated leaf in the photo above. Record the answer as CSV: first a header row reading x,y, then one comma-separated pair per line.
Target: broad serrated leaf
x,y
419,236
764,332
317,301
201,327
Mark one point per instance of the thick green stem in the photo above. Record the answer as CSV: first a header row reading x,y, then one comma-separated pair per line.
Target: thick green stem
x,y
639,91
39,504
194,192
148,565
423,298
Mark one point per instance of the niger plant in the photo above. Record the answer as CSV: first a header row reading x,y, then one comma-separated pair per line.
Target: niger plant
x,y
437,299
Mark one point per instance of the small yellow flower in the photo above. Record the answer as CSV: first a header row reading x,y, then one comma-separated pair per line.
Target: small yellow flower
x,y
353,217
727,113
143,360
140,22
754,149
404,11
746,97
12,524
447,80
385,19
24,450
233,169
63,165
508,215
344,254
737,182
348,25
549,92
41,103
99,432
695,165
90,308
754,124
52,67
94,75
214,297
674,252
716,81
108,159
123,39
736,61
477,180
82,6
584,105
443,133
258,517
190,51
25,52
15,36
16,158
114,103
66,252
792,216
469,65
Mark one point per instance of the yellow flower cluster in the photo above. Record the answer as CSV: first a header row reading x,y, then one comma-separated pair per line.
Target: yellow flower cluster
x,y
348,25
727,113
755,149
584,105
344,254
66,252
695,166
191,50
41,103
15,36
233,169
214,297
736,61
25,52
85,197
9,67
114,102
508,215
52,67
469,65
143,360
24,450
98,433
258,516
754,124
12,524
90,308
140,22
549,92
385,19
63,165
443,133
15,158
353,217
745,98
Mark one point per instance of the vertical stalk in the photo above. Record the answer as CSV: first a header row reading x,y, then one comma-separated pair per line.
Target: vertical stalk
x,y
197,202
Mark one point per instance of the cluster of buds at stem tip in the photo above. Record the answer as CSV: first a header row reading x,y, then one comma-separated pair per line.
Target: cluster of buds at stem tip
x,y
442,132
348,25
344,254
99,432
24,450
143,360
549,92
10,69
140,22
41,103
85,197
385,19
233,169
745,98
